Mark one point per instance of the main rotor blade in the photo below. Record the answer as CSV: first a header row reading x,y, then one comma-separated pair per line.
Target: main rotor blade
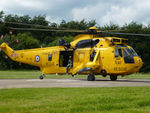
x,y
25,24
129,34
33,25
48,30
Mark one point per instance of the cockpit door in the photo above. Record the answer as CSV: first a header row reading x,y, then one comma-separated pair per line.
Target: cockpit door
x,y
119,60
118,55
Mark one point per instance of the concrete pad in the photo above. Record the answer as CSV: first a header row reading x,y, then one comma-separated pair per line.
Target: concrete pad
x,y
37,83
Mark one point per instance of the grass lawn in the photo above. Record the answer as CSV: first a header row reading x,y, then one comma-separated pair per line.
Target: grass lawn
x,y
35,74
75,100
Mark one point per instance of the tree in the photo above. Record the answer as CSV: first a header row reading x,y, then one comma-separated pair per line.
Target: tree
x,y
1,15
79,25
110,26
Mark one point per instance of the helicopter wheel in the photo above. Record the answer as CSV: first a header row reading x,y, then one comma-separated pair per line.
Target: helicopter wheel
x,y
113,78
41,77
91,77
104,73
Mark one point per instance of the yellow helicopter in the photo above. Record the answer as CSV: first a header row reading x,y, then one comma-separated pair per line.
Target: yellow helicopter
x,y
88,54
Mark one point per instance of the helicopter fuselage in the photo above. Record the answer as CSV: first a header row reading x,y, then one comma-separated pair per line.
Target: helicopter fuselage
x,y
105,56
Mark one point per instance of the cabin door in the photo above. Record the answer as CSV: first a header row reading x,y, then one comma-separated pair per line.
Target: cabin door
x,y
64,57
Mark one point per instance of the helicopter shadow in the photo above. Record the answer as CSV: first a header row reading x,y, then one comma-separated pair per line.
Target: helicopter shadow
x,y
122,80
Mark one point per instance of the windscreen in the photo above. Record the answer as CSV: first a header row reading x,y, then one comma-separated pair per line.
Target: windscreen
x,y
131,51
127,51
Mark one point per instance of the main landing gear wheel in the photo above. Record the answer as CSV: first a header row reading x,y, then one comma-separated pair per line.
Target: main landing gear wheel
x,y
91,77
113,77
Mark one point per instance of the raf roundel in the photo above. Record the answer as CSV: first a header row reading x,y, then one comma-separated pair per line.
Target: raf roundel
x,y
37,58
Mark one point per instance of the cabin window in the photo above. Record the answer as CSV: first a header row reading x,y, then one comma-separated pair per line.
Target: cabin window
x,y
50,57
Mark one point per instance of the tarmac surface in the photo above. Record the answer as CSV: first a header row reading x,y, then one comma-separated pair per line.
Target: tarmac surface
x,y
37,83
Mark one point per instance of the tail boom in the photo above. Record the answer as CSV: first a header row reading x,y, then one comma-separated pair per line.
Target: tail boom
x,y
8,51
25,56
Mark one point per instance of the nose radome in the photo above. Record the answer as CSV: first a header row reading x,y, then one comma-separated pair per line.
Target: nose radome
x,y
139,61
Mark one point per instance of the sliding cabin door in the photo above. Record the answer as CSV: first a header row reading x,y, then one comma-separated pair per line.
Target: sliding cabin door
x,y
50,62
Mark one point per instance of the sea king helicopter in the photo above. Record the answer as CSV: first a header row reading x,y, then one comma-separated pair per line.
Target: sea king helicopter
x,y
89,54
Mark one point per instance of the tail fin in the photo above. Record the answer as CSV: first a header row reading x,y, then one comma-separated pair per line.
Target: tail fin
x,y
9,51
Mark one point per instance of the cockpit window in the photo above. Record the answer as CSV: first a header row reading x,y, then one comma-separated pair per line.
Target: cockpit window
x,y
125,53
118,52
131,52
